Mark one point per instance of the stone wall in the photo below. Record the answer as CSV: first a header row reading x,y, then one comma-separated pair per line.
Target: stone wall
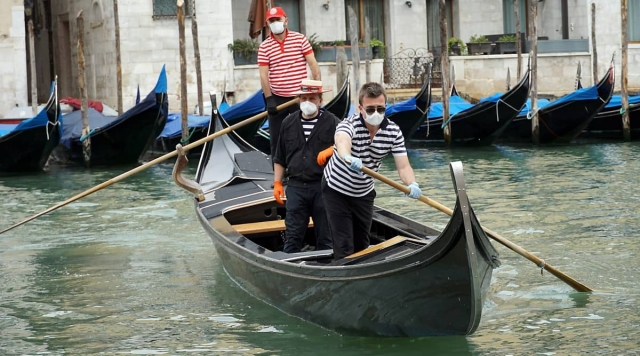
x,y
480,76
13,56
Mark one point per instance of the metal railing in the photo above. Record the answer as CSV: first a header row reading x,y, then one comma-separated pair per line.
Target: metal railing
x,y
408,68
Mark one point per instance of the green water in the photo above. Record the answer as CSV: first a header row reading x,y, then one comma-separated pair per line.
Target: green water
x,y
129,270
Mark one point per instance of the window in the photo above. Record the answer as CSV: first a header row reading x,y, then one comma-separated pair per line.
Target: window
x,y
433,23
633,20
374,10
509,17
169,8
292,9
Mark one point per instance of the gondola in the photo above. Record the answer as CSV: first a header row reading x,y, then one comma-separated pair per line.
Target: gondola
x,y
564,119
413,280
410,114
608,123
480,124
121,140
339,106
26,146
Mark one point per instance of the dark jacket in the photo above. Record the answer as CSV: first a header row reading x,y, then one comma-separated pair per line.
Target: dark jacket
x,y
300,156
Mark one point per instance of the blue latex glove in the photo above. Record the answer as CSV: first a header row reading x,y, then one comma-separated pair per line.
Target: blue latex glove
x,y
353,162
415,191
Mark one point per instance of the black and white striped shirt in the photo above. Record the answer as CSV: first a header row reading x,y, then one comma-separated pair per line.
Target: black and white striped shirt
x,y
388,139
307,126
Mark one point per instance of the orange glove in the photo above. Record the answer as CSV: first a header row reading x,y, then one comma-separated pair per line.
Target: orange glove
x,y
278,192
324,155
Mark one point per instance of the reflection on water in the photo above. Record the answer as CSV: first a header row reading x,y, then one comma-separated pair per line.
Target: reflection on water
x,y
128,270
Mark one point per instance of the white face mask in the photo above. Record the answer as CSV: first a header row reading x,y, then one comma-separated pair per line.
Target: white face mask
x,y
308,108
277,27
374,119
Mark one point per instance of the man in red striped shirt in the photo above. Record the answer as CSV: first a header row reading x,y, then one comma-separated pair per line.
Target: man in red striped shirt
x,y
283,59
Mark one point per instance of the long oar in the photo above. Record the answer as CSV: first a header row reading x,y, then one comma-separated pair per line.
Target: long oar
x,y
149,164
517,249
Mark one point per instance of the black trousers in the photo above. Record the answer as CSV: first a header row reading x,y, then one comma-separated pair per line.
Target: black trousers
x,y
275,121
349,220
303,203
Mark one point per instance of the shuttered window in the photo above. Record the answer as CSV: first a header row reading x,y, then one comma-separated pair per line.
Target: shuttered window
x,y
509,17
374,10
633,20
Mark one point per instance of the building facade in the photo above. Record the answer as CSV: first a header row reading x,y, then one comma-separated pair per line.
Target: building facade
x,y
13,54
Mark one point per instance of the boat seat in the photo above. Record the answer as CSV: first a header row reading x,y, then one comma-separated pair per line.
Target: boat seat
x,y
382,250
298,256
263,226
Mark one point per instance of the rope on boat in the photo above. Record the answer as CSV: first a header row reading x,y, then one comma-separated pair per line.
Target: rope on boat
x,y
541,265
446,123
55,93
505,103
264,134
84,137
46,128
186,140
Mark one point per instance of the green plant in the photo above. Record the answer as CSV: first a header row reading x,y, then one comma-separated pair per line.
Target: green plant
x,y
244,47
452,41
315,44
478,39
378,47
507,38
338,43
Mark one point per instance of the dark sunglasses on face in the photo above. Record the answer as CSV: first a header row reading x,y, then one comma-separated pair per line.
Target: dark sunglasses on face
x,y
305,88
371,109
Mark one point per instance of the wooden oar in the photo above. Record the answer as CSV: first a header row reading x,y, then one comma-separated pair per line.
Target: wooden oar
x,y
149,164
512,246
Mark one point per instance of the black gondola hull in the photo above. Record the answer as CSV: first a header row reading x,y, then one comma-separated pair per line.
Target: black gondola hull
x,y
608,124
410,121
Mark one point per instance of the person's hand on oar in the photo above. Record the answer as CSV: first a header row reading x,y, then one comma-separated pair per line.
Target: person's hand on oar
x,y
414,191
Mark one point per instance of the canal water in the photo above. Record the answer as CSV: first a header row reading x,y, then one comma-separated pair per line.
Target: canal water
x,y
128,270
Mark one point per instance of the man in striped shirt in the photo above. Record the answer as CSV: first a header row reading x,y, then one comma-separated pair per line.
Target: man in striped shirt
x,y
362,139
283,59
306,137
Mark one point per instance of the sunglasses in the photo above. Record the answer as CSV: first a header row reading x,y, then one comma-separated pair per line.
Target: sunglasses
x,y
371,109
307,89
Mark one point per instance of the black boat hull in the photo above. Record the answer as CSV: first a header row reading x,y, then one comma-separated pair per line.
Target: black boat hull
x,y
410,121
563,122
608,125
29,150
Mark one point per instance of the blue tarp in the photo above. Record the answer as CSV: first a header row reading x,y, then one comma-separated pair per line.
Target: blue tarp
x,y
72,122
173,127
250,106
616,101
493,98
407,105
40,120
456,105
589,93
527,107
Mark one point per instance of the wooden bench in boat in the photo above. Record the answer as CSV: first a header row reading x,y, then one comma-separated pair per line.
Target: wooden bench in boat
x,y
263,226
386,244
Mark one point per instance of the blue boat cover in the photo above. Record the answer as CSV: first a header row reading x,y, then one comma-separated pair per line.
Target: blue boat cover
x,y
456,105
72,122
224,107
173,127
493,98
250,106
616,101
40,120
527,107
407,105
589,93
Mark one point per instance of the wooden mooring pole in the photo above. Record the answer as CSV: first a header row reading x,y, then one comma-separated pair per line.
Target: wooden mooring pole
x,y
355,51
367,50
84,97
196,54
516,7
32,69
116,20
183,75
626,123
535,127
594,48
444,63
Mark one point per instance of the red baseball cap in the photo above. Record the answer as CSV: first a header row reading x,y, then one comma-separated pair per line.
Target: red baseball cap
x,y
276,12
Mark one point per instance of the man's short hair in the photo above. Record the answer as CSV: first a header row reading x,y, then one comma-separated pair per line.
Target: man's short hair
x,y
371,90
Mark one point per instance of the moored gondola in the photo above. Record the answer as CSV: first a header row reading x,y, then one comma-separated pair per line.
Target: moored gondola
x,y
480,124
410,114
26,146
120,140
608,123
564,119
413,280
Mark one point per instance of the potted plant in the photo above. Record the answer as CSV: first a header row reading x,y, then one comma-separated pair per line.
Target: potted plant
x,y
479,45
506,44
456,46
377,48
245,51
315,44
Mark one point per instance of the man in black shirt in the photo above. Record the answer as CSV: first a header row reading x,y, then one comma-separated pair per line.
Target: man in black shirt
x,y
306,141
